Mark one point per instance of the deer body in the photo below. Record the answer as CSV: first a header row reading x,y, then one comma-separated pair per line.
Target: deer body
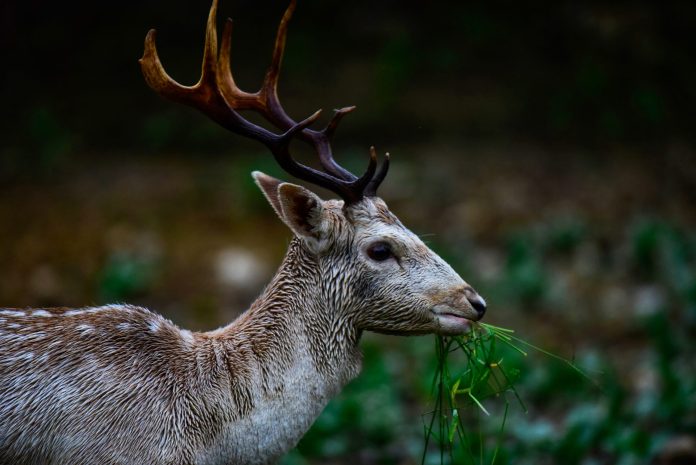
x,y
119,384
243,394
176,397
122,385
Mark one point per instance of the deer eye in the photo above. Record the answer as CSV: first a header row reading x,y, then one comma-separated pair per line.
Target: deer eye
x,y
380,251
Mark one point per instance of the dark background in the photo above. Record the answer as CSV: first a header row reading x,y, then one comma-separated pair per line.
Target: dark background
x,y
546,150
575,73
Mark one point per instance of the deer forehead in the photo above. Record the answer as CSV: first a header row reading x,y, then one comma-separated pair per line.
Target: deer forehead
x,y
371,220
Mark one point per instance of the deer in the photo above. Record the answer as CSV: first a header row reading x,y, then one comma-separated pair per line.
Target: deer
x,y
119,384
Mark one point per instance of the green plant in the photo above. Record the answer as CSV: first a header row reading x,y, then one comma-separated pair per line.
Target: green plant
x,y
460,386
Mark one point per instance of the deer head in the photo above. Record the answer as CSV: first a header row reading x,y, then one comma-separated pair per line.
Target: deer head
x,y
375,273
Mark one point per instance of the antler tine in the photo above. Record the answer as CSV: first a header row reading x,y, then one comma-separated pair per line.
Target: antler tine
x,y
337,117
373,185
269,92
267,102
350,191
362,182
205,95
322,144
266,99
269,89
210,50
217,95
235,96
321,141
158,79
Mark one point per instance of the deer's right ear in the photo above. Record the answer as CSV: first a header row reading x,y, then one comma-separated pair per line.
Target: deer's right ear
x,y
298,207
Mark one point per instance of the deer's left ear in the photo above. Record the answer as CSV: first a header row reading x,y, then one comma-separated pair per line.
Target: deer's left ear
x,y
303,211
299,208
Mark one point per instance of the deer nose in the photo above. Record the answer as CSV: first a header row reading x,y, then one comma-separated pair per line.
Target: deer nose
x,y
476,301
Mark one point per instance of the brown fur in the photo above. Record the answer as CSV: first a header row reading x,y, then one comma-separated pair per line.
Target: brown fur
x,y
122,385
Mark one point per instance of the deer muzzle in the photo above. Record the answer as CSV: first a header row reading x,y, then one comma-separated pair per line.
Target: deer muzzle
x,y
456,310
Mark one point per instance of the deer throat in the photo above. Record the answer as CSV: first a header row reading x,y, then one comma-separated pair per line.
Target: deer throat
x,y
286,398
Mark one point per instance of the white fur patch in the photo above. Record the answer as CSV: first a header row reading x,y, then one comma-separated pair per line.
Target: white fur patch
x,y
85,329
100,309
41,313
26,356
83,311
12,313
154,326
73,312
36,335
187,336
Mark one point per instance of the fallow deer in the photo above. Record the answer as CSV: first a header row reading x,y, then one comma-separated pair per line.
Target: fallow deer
x,y
121,385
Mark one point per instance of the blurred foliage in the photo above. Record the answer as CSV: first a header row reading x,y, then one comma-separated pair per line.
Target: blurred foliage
x,y
572,211
124,277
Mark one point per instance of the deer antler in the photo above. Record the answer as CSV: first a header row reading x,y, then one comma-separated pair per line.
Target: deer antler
x,y
217,96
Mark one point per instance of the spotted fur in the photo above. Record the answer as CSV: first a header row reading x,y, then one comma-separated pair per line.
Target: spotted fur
x,y
122,385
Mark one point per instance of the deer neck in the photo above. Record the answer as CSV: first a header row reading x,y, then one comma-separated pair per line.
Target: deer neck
x,y
293,317
287,356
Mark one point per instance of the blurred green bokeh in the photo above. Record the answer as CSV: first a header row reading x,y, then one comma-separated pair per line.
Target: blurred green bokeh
x,y
546,151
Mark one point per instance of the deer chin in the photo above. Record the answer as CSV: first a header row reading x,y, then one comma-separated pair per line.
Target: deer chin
x,y
451,321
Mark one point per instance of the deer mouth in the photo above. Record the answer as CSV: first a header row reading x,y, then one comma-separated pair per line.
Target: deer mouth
x,y
450,321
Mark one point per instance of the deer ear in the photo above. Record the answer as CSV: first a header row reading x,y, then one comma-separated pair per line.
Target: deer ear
x,y
269,187
299,208
303,212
